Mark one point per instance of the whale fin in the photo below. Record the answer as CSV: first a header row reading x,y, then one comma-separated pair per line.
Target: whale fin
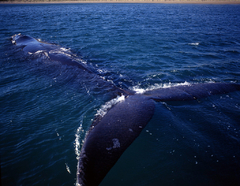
x,y
114,133
191,92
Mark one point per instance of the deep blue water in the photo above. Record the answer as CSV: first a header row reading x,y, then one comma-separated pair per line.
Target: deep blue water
x,y
46,109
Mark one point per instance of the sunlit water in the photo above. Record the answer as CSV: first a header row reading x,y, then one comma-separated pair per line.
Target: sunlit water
x,y
46,109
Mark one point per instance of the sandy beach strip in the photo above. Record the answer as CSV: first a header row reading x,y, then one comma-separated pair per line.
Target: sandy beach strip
x,y
122,1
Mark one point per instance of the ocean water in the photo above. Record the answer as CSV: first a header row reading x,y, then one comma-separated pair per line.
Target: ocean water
x,y
46,108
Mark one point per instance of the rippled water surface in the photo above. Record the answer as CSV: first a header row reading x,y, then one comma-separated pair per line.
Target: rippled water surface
x,y
46,108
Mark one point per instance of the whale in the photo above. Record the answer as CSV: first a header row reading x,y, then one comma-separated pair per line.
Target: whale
x,y
111,134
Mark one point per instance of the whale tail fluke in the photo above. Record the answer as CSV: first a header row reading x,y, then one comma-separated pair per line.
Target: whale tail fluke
x,y
111,135
114,133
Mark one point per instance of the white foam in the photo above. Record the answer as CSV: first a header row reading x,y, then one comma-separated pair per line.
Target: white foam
x,y
104,108
101,71
139,90
77,142
57,51
68,169
79,134
194,44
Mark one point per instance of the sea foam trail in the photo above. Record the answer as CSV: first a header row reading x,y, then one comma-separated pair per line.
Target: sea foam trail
x,y
194,44
139,90
79,135
104,108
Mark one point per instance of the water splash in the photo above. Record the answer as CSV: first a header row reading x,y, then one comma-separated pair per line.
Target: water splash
x,y
77,144
139,90
68,169
193,44
104,108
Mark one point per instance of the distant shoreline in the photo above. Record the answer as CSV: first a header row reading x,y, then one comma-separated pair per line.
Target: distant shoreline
x,y
122,1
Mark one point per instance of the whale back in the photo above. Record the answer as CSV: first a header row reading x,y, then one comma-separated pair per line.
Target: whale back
x,y
53,52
